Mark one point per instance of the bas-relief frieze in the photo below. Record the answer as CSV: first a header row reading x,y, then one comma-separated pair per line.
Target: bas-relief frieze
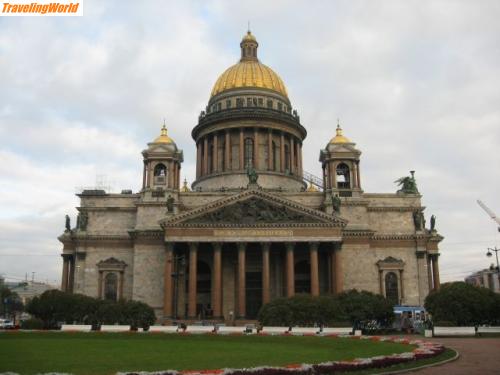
x,y
252,233
253,211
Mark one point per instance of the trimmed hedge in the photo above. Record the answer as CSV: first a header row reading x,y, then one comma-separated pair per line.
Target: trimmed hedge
x,y
54,307
462,304
360,309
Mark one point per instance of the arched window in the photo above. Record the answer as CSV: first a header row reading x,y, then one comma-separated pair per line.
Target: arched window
x,y
303,277
160,170
111,287
391,287
160,174
343,176
287,159
248,152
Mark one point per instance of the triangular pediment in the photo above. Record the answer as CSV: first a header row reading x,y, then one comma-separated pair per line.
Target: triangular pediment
x,y
160,148
254,208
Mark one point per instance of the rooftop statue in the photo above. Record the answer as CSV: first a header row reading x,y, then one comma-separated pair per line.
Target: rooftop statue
x,y
170,203
336,203
252,175
433,223
67,224
408,184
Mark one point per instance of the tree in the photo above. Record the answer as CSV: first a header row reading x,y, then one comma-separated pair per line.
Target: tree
x,y
10,303
138,314
463,304
54,307
276,313
301,310
363,307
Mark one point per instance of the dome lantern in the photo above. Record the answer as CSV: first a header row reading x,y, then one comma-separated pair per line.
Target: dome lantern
x,y
249,47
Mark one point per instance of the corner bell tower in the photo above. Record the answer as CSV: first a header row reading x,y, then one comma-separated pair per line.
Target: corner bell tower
x,y
340,163
162,164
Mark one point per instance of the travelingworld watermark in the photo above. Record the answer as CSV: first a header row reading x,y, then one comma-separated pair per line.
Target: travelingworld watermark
x,y
42,8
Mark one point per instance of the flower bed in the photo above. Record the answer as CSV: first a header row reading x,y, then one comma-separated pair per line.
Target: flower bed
x,y
423,350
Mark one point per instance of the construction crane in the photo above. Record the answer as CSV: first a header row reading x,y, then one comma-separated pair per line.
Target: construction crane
x,y
490,213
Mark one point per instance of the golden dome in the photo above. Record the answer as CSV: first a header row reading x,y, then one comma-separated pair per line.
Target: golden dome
x,y
163,138
184,187
249,37
339,136
249,72
312,188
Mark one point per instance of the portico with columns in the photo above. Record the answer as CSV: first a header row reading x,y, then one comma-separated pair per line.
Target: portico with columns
x,y
280,249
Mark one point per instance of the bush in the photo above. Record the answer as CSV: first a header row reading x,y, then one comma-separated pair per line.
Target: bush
x,y
54,307
366,310
361,309
444,323
276,313
32,324
463,305
137,314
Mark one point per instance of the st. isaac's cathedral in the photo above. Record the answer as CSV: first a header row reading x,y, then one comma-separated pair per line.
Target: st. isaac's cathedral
x,y
254,226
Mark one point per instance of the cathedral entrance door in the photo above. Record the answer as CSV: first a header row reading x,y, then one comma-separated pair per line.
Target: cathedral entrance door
x,y
253,294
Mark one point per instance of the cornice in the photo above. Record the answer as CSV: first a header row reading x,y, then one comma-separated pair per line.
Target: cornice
x,y
245,113
146,234
394,208
107,208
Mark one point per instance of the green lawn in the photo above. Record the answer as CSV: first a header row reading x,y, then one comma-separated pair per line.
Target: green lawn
x,y
107,353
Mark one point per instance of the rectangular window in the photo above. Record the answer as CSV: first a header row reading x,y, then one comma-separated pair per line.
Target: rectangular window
x,y
228,103
261,102
269,104
280,106
249,102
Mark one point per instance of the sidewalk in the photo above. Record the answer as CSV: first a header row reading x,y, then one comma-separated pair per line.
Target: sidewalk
x,y
477,356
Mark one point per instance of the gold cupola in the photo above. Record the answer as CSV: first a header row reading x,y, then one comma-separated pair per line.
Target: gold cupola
x,y
162,163
249,72
163,137
339,136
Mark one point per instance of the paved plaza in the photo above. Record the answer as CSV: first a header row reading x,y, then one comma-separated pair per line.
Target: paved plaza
x,y
477,356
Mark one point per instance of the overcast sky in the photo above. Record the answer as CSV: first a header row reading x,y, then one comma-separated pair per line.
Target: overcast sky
x,y
416,84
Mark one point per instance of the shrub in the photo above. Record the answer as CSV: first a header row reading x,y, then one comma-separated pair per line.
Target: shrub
x,y
137,314
32,324
444,323
463,304
54,307
362,309
366,310
276,313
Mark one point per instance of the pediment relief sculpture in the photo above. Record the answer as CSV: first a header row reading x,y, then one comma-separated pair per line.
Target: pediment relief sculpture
x,y
253,211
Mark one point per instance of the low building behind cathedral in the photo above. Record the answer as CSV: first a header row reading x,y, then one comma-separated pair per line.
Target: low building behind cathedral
x,y
251,228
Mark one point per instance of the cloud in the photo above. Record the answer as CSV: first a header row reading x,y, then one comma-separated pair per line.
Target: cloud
x,y
414,84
